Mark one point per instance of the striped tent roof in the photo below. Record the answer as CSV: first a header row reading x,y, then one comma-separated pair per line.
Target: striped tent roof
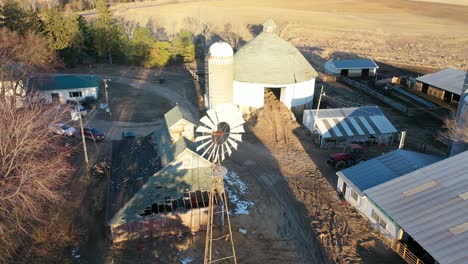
x,y
354,121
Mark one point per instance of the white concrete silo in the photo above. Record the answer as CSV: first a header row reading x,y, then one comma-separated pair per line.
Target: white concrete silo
x,y
220,74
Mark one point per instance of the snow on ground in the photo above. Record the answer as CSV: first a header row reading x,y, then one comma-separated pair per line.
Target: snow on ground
x,y
235,189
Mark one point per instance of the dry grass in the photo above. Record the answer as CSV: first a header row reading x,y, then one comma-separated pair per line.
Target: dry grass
x,y
408,32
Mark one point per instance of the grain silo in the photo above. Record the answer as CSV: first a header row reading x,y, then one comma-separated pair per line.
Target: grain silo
x,y
220,74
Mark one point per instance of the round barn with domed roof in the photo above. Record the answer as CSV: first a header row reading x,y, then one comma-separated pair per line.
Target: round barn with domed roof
x,y
265,63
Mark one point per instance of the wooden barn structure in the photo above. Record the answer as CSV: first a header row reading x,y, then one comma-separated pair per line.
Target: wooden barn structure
x,y
446,85
158,187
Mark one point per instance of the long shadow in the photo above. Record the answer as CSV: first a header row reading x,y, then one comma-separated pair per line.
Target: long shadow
x,y
293,238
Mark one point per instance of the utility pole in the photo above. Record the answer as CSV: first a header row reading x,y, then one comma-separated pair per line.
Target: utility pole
x,y
82,134
318,108
107,97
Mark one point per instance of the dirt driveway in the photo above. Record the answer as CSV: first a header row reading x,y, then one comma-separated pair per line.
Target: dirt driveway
x,y
295,217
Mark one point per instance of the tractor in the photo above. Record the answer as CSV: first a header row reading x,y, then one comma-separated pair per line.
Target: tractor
x,y
353,155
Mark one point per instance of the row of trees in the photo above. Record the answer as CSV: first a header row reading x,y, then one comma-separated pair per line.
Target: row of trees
x,y
107,38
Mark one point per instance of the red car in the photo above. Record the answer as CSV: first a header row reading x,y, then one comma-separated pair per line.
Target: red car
x,y
93,133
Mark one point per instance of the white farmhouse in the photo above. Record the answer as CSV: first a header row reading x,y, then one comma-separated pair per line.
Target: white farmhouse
x,y
63,88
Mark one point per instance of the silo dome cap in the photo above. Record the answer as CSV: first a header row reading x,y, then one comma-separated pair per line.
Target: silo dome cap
x,y
221,49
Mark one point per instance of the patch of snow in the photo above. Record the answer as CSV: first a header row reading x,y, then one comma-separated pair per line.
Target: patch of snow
x,y
76,253
235,188
186,260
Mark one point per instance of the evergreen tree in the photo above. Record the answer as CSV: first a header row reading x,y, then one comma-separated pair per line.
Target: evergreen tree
x,y
107,36
15,18
87,34
64,34
182,45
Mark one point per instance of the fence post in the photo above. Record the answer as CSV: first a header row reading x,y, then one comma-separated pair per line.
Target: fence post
x,y
404,253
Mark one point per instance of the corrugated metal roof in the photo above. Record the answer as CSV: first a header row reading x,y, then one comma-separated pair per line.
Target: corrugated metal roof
x,y
385,167
449,79
177,113
353,121
268,59
354,64
432,216
64,82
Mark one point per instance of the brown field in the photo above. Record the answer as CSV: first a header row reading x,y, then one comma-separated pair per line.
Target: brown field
x,y
404,32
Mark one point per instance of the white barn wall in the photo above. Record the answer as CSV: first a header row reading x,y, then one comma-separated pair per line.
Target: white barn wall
x,y
365,207
64,94
248,94
292,95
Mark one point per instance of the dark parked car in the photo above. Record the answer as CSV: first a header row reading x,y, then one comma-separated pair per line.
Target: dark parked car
x,y
93,133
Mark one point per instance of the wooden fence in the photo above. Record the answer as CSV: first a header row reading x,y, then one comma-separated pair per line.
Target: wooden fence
x,y
401,249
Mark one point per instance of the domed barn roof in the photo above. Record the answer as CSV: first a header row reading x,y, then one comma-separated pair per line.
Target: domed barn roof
x,y
269,59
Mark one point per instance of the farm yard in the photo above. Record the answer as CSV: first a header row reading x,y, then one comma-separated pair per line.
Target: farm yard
x,y
407,33
286,202
296,215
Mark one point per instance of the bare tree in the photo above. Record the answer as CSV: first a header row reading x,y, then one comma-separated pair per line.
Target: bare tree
x,y
456,129
33,166
233,33
129,26
20,57
199,27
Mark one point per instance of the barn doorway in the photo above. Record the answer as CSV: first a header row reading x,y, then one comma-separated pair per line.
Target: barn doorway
x,y
365,72
275,91
448,96
425,88
55,98
344,72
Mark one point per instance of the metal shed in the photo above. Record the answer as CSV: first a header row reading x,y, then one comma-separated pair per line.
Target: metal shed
x,y
341,126
431,206
351,68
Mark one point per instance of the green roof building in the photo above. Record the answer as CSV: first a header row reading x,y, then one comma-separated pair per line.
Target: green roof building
x,y
63,88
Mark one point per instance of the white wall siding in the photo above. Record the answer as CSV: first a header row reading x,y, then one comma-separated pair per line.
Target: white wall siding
x,y
364,206
292,95
248,94
64,94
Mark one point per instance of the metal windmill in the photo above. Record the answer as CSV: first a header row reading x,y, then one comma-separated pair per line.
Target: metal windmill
x,y
220,133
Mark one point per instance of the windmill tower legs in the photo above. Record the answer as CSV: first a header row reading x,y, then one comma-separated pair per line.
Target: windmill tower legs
x,y
216,186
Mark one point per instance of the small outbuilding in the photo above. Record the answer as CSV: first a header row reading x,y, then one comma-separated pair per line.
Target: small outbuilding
x,y
447,85
180,123
63,88
351,68
354,181
339,127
